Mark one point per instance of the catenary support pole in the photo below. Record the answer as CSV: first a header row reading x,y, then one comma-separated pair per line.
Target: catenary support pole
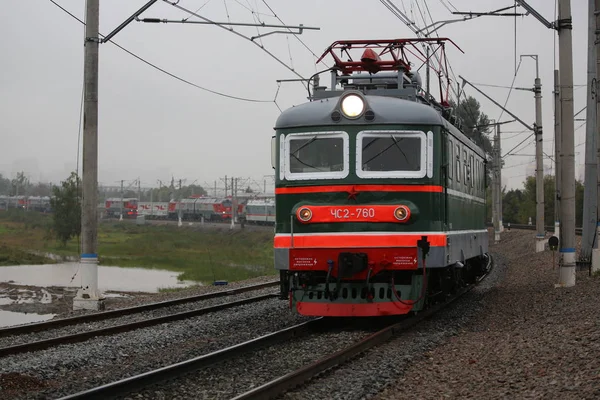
x,y
596,249
567,204
500,196
232,205
557,156
496,186
539,158
88,296
590,192
121,212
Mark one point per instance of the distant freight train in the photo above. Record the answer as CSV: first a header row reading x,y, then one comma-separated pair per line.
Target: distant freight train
x,y
214,209
34,203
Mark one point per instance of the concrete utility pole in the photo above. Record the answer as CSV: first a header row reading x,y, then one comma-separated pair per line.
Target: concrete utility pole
x,y
539,159
233,192
590,192
88,296
539,156
159,189
564,25
121,215
180,211
557,164
565,43
596,250
496,185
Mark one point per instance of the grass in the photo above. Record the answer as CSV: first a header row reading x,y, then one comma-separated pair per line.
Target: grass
x,y
10,256
200,255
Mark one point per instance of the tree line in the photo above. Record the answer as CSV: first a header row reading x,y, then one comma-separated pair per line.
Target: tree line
x,y
22,186
518,205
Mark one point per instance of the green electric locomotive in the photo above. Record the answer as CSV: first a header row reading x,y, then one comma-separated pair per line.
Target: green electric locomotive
x,y
380,199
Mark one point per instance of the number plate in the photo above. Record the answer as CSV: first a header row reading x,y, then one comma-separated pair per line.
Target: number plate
x,y
353,213
359,213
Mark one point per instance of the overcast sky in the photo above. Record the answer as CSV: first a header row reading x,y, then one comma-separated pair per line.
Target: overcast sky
x,y
153,126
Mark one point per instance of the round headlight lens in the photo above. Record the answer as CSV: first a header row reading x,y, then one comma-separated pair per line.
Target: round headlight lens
x,y
304,214
401,213
353,106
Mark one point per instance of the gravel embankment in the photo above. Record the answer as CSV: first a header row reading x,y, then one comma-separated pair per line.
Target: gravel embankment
x,y
530,340
71,368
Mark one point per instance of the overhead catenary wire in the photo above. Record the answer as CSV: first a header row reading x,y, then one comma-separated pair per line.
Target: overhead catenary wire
x,y
165,71
510,91
296,36
229,29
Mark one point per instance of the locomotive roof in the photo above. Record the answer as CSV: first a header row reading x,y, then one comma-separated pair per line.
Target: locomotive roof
x,y
388,111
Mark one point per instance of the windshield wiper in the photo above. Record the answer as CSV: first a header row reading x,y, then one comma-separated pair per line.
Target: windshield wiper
x,y
304,145
308,165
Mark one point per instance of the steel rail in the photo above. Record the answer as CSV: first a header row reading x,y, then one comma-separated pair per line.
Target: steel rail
x,y
280,385
59,323
80,337
149,378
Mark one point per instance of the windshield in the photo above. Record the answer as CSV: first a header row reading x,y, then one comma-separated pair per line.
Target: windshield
x,y
316,154
391,153
395,154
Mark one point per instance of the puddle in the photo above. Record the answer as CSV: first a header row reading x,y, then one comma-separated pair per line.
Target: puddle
x,y
9,318
5,301
116,295
109,278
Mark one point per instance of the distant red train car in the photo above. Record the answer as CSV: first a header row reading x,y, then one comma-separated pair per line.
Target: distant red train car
x,y
116,206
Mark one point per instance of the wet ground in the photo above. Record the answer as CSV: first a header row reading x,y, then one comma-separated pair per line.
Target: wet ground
x,y
32,293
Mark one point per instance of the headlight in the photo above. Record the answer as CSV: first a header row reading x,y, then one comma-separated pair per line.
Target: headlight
x,y
304,214
353,106
402,213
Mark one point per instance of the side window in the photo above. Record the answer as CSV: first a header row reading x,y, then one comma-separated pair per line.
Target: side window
x,y
471,170
466,168
479,176
450,157
457,163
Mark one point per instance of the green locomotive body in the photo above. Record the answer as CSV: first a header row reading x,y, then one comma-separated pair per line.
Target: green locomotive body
x,y
380,201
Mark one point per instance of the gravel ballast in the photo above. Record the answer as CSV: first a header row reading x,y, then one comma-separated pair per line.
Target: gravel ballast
x,y
240,374
72,368
127,319
530,340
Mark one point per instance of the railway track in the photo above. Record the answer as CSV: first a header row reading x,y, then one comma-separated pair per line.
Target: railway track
x,y
144,380
111,330
59,323
281,384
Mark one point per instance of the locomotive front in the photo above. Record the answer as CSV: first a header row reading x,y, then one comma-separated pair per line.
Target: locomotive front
x,y
360,206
